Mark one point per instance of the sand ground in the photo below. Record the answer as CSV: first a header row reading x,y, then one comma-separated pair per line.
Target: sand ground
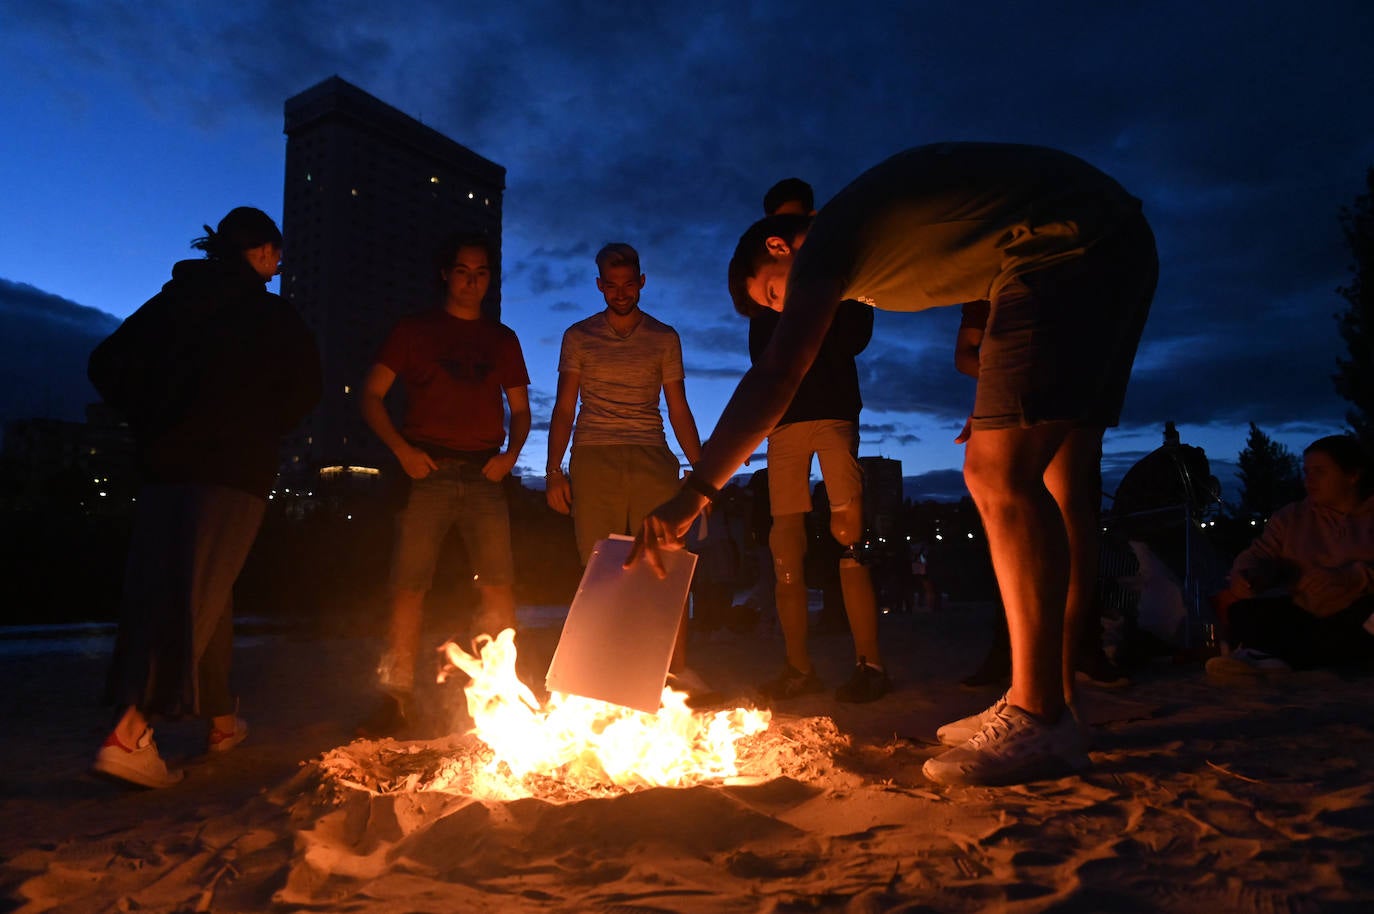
x,y
1201,798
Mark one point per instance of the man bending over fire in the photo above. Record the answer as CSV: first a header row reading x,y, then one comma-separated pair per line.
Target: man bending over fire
x,y
1068,262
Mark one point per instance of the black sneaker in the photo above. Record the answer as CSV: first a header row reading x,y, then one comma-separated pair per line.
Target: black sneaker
x,y
387,719
868,683
994,670
1096,669
792,682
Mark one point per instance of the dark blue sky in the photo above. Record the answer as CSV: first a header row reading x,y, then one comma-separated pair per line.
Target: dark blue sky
x,y
1244,126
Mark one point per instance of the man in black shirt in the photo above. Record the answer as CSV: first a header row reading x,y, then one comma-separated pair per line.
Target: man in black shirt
x,y
822,420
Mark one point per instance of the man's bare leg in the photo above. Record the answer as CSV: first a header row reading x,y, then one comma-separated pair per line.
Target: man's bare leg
x,y
1074,478
498,609
397,671
1004,470
787,541
856,583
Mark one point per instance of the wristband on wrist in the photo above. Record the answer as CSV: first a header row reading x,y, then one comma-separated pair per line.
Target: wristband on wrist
x,y
701,487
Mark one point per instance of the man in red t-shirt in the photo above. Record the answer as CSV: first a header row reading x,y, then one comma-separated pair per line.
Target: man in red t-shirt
x,y
456,366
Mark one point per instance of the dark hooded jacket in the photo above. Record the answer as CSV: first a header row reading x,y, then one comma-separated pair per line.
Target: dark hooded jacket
x,y
210,373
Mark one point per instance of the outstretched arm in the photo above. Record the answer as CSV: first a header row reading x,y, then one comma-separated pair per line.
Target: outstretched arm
x,y
754,409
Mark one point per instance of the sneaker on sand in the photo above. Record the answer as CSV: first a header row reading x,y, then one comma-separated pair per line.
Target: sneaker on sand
x,y
223,742
1098,670
792,682
141,765
867,683
1246,665
388,718
1013,748
964,729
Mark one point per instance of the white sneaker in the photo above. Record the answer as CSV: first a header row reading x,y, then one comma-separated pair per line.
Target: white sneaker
x,y
141,765
1246,665
1012,748
964,729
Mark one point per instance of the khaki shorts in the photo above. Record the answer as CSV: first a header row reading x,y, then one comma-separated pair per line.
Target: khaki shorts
x,y
1060,341
614,486
835,443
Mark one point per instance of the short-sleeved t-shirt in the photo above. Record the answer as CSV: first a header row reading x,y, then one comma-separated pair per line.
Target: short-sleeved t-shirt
x,y
830,388
454,372
954,222
620,379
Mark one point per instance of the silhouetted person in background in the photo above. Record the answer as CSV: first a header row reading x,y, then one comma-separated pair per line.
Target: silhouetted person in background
x,y
210,373
460,370
1304,590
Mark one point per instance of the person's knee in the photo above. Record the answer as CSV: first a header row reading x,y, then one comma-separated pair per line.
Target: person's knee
x,y
787,542
846,524
994,479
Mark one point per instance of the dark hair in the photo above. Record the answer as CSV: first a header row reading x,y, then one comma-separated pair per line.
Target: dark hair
x,y
1347,453
617,254
787,190
243,228
444,254
752,253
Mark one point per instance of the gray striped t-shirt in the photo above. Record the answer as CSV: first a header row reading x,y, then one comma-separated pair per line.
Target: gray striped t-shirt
x,y
621,379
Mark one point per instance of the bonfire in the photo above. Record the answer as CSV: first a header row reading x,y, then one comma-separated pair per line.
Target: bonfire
x,y
567,748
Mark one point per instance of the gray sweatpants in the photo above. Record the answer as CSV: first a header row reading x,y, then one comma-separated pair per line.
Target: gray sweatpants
x,y
176,629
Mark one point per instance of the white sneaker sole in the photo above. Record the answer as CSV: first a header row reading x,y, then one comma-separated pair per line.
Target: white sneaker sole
x,y
132,774
1047,768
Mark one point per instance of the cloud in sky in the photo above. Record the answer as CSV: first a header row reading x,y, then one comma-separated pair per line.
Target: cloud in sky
x,y
1238,124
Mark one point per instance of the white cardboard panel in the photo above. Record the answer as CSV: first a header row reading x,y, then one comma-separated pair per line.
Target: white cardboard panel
x,y
618,637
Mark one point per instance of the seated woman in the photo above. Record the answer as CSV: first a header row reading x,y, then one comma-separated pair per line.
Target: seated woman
x,y
1304,589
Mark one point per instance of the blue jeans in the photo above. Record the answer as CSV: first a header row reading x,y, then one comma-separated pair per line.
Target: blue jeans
x,y
455,494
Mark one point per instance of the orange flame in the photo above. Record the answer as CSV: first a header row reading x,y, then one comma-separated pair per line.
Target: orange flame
x,y
588,741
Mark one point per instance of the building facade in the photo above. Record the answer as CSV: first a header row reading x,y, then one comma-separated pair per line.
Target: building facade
x,y
370,193
882,494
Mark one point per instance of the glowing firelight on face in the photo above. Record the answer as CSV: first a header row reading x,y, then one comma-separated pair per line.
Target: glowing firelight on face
x,y
586,741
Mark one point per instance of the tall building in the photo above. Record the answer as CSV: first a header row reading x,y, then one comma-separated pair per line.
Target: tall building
x,y
882,494
370,193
